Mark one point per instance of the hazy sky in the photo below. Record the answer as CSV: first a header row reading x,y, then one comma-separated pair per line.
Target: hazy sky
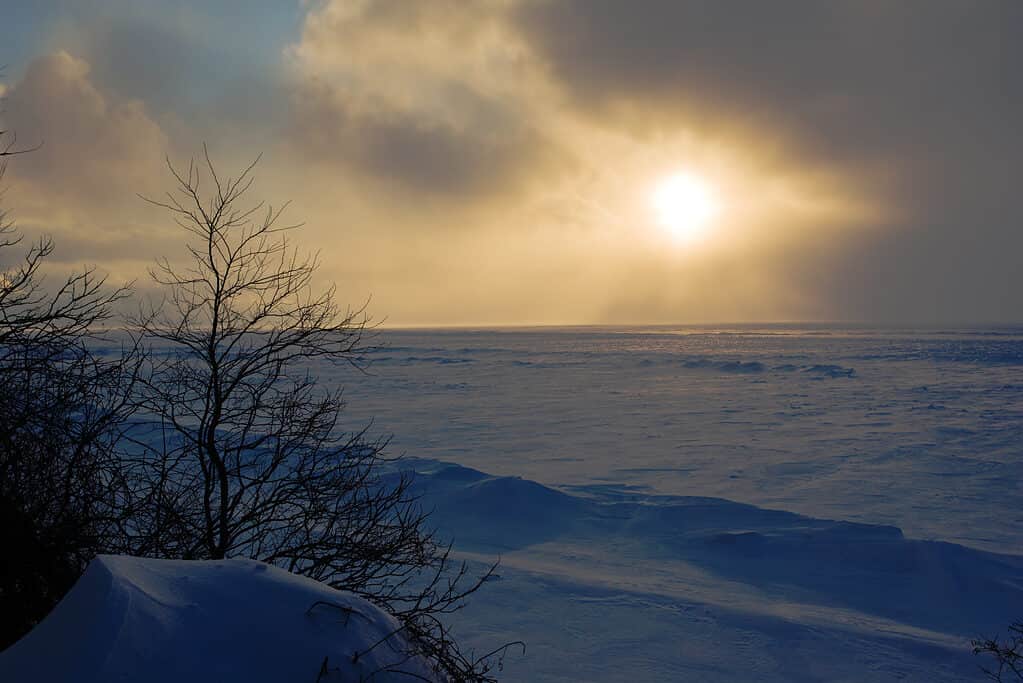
x,y
493,161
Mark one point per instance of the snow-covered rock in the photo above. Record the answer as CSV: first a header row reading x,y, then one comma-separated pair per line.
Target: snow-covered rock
x,y
132,619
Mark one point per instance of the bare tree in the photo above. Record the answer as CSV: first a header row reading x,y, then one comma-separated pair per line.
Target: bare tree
x,y
246,454
1008,654
61,406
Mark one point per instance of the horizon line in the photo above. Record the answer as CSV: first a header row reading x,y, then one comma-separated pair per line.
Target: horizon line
x,y
732,323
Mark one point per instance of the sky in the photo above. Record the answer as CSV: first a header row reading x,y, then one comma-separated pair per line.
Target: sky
x,y
499,162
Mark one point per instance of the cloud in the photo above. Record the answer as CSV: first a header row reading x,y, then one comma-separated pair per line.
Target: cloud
x,y
461,104
94,148
913,105
920,98
413,150
490,161
847,77
97,151
191,65
426,97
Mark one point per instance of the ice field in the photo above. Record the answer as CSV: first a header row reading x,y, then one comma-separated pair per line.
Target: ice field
x,y
775,503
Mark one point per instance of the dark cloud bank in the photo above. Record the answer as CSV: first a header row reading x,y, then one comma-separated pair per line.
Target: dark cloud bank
x,y
925,96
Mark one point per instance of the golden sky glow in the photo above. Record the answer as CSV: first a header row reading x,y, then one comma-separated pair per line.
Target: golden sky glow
x,y
528,162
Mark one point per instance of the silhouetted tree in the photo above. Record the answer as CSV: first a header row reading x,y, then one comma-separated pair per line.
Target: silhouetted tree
x,y
61,406
1008,654
245,453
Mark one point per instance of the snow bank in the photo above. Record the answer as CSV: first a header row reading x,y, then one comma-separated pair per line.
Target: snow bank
x,y
131,619
872,569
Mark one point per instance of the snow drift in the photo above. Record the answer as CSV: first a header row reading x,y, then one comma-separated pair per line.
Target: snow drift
x,y
131,619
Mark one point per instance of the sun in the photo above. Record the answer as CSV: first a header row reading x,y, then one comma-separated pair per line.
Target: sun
x,y
685,206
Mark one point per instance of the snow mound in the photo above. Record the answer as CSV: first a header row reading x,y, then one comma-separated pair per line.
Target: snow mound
x,y
131,619
873,569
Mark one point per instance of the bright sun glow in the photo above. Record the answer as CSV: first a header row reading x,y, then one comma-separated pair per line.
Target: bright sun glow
x,y
685,206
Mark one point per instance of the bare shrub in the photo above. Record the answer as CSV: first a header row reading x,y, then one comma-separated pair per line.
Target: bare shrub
x,y
244,452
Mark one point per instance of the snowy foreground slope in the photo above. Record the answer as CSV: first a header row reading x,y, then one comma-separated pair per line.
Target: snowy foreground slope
x,y
606,585
699,504
130,619
782,503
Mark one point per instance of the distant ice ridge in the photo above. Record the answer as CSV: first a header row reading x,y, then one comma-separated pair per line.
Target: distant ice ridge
x,y
821,599
870,568
719,505
231,621
914,428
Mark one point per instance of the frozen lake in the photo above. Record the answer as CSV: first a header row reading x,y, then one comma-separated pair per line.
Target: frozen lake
x,y
695,489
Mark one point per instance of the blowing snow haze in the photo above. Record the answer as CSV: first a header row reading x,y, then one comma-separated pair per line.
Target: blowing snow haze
x,y
492,162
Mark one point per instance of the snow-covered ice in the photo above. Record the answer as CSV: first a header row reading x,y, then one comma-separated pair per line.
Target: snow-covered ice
x,y
770,504
603,584
130,619
777,503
